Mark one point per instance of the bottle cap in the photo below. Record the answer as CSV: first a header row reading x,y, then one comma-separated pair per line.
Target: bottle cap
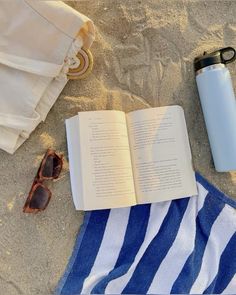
x,y
217,57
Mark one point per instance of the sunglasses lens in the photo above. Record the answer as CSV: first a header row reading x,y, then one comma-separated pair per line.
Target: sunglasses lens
x,y
39,198
52,167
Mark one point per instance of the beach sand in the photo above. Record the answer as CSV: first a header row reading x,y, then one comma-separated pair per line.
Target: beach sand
x,y
143,54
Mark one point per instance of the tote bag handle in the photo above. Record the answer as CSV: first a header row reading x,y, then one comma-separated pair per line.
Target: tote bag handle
x,y
33,66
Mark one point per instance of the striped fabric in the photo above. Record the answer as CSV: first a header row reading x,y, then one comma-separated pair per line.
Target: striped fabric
x,y
185,246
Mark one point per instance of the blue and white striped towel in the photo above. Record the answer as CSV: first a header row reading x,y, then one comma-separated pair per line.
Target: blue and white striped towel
x,y
185,246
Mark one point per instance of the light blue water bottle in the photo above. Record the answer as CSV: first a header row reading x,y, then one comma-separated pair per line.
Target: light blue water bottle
x,y
219,105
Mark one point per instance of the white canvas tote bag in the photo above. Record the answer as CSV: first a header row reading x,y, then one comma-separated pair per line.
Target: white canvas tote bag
x,y
39,41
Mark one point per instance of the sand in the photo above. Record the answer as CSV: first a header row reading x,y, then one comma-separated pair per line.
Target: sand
x,y
143,58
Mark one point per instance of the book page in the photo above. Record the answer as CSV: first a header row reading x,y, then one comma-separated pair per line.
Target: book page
x,y
161,154
72,135
107,175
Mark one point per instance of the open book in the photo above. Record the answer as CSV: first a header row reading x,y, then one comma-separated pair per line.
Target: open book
x,y
119,160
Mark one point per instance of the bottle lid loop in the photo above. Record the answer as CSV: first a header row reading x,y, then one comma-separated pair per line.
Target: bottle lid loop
x,y
227,50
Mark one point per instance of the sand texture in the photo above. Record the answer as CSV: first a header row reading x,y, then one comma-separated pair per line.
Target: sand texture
x,y
143,54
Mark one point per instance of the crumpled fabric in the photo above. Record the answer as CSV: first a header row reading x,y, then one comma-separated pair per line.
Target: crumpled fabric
x,y
39,41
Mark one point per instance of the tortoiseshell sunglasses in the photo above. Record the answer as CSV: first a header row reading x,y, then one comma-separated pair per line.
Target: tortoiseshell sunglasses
x,y
39,195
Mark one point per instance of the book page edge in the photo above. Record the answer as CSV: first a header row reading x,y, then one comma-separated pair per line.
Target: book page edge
x,y
72,129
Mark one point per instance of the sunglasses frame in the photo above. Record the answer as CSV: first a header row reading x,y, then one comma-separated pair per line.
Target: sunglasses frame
x,y
38,182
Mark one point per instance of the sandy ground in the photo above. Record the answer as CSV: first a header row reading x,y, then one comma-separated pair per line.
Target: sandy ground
x,y
143,57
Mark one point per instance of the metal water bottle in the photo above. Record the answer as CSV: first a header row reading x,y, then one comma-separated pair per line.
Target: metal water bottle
x,y
219,105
